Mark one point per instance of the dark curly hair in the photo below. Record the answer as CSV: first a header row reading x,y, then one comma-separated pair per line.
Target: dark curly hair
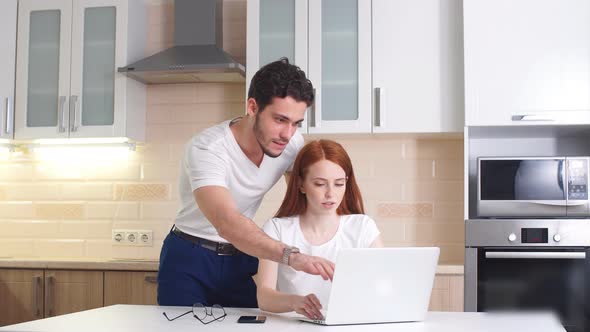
x,y
280,79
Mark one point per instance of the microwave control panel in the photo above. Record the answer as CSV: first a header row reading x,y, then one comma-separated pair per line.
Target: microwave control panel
x,y
577,179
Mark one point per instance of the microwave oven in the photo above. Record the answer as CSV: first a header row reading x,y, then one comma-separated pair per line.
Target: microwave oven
x,y
532,187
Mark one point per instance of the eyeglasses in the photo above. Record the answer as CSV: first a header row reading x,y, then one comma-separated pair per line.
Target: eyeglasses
x,y
201,312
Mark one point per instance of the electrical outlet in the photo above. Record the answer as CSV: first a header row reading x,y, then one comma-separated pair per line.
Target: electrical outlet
x,y
118,237
133,237
146,238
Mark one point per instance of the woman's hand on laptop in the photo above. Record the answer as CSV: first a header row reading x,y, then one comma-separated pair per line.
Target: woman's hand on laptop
x,y
312,265
308,305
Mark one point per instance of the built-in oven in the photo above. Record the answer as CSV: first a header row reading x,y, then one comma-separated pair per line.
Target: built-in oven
x,y
532,187
523,265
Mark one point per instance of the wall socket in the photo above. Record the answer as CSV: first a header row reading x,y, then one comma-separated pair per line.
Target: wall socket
x,y
133,237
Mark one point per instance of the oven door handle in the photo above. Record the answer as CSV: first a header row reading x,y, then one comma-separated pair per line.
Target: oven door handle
x,y
560,203
536,255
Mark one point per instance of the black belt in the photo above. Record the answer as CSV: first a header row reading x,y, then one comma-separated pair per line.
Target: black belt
x,y
220,248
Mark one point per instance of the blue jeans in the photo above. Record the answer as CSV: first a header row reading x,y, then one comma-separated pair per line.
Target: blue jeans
x,y
192,274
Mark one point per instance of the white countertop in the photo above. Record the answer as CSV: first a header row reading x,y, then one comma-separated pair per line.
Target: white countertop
x,y
127,264
138,318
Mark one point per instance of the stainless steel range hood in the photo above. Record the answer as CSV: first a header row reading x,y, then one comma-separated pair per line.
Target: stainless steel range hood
x,y
197,55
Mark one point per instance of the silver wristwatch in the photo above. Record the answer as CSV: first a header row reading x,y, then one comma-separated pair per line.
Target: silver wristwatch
x,y
287,251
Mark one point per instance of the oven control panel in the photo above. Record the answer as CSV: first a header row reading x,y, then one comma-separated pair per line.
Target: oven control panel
x,y
577,179
527,232
534,235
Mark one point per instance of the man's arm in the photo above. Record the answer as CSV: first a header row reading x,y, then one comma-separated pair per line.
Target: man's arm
x,y
218,206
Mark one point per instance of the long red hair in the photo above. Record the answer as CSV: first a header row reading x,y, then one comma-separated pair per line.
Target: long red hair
x,y
295,202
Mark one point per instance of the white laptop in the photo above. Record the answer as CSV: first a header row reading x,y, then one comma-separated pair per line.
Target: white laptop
x,y
380,285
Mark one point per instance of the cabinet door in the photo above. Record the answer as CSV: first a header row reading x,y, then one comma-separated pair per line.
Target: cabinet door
x,y
97,102
8,14
527,62
417,66
43,69
121,287
440,296
72,291
456,288
340,66
276,29
21,296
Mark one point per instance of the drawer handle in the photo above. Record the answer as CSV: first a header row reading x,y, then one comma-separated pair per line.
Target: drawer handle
x,y
50,284
37,297
532,117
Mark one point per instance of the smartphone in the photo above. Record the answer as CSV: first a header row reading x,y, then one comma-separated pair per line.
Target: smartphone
x,y
252,319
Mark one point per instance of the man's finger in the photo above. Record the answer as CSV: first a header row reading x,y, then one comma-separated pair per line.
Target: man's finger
x,y
329,266
318,266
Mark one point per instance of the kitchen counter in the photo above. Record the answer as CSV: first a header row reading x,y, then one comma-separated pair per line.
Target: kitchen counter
x,y
124,264
111,264
149,318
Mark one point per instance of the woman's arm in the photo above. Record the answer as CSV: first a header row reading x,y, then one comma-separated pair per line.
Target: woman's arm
x,y
269,299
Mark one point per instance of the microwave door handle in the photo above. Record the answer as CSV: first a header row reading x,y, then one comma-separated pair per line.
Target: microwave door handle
x,y
535,255
559,203
577,203
560,174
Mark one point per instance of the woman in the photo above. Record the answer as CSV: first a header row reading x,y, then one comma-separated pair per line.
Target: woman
x,y
321,213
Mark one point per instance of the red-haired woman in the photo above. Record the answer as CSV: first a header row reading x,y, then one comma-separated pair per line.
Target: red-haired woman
x,y
321,213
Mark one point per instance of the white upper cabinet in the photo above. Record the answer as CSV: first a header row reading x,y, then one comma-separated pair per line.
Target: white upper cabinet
x,y
340,66
417,66
8,14
68,52
276,29
527,62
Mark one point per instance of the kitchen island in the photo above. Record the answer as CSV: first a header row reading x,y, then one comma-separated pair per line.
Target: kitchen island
x,y
149,318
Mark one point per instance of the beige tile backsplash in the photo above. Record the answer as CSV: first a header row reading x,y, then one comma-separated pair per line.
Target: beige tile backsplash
x,y
412,187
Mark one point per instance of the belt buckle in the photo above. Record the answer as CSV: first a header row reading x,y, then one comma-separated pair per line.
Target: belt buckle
x,y
219,250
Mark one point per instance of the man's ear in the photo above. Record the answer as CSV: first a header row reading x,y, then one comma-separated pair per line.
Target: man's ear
x,y
251,107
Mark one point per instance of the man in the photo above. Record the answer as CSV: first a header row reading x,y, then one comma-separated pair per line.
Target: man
x,y
226,171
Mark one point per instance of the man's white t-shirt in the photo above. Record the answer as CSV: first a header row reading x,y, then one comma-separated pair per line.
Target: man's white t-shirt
x,y
214,158
354,231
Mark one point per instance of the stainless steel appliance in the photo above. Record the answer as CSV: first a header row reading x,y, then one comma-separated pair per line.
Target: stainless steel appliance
x,y
535,264
197,55
533,187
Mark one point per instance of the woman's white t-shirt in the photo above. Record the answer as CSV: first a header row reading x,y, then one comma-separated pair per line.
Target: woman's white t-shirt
x,y
354,231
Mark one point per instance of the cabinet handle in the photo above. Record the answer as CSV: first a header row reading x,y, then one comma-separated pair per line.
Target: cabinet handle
x,y
379,94
311,121
73,113
532,117
9,115
151,279
49,285
36,297
61,114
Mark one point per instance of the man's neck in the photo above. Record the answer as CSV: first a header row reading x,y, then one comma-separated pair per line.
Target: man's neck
x,y
243,131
